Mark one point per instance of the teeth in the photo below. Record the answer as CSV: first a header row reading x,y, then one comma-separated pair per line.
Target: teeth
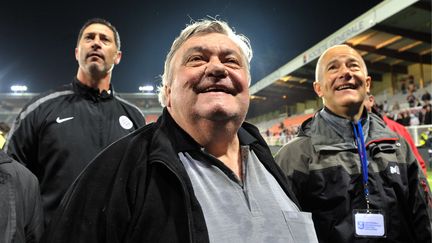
x,y
219,89
346,86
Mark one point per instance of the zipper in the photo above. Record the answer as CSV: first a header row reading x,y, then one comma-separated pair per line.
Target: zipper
x,y
187,199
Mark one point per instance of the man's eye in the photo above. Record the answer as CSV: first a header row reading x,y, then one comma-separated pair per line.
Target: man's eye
x,y
232,60
332,67
195,58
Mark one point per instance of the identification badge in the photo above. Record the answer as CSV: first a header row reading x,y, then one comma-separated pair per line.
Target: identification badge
x,y
369,223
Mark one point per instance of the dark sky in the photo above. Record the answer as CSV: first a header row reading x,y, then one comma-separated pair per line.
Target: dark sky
x,y
37,38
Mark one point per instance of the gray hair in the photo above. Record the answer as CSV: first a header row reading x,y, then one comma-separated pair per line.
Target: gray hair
x,y
205,26
318,65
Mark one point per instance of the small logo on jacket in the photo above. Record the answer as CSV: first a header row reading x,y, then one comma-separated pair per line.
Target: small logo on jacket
x,y
125,122
59,120
394,170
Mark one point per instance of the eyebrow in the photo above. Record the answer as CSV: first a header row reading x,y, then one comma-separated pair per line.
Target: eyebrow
x,y
335,60
97,33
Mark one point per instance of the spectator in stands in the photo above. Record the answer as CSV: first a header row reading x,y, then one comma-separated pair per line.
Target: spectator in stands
x,y
405,118
346,166
59,132
199,174
403,86
4,129
411,99
397,128
396,107
21,215
411,84
425,115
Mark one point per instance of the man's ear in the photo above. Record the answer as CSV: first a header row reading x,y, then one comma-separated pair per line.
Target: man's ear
x,y
76,53
368,83
118,57
317,88
167,95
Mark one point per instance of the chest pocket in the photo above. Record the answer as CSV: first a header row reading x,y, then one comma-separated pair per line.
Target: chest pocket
x,y
301,226
383,154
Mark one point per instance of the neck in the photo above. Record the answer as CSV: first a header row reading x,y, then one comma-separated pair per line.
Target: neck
x,y
218,139
101,83
352,112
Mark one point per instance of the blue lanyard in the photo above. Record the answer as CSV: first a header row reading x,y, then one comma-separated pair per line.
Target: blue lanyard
x,y
359,138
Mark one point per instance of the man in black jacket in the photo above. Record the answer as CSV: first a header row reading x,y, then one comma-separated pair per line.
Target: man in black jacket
x,y
60,131
200,173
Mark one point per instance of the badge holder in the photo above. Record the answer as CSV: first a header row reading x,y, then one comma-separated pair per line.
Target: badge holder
x,y
369,223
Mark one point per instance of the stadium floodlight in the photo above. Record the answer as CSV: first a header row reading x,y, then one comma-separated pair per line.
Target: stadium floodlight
x,y
18,88
146,88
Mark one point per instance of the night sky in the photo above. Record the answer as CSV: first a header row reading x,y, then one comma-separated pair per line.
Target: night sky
x,y
37,38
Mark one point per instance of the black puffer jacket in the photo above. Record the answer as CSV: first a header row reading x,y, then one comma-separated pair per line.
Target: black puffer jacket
x,y
138,190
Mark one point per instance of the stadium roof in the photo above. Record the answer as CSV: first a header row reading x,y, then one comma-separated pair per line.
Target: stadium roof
x,y
390,37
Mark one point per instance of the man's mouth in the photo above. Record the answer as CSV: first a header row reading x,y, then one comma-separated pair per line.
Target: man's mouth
x,y
95,54
346,86
222,89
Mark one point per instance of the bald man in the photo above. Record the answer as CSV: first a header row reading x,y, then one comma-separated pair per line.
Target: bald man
x,y
360,180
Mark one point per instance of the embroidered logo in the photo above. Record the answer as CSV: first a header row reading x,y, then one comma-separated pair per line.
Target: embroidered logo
x,y
58,120
394,170
125,122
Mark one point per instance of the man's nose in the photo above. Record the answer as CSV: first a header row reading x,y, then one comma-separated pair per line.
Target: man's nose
x,y
345,72
96,43
216,69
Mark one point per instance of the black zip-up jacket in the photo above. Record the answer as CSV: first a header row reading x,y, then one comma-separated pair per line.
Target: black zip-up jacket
x,y
21,215
137,190
325,172
59,132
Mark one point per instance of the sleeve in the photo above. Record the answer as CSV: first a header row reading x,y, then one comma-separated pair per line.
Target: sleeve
x,y
420,200
21,144
293,158
34,224
97,207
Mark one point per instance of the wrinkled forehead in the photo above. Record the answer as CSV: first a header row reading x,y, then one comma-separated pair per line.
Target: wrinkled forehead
x,y
341,53
209,42
98,29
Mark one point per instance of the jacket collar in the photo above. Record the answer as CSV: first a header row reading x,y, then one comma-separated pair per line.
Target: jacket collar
x,y
342,126
322,134
91,93
183,142
4,158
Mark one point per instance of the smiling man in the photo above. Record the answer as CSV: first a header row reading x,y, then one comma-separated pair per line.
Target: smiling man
x,y
200,173
360,181
60,131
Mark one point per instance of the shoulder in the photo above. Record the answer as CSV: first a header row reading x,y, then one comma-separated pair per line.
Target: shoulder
x,y
46,98
126,103
296,147
20,176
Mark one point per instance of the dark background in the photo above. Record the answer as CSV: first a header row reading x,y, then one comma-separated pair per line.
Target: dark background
x,y
37,38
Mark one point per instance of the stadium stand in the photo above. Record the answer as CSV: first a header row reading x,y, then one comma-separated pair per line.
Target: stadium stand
x,y
394,38
12,103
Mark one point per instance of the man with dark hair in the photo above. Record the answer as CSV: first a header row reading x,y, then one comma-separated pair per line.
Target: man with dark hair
x,y
425,115
359,179
60,131
200,173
